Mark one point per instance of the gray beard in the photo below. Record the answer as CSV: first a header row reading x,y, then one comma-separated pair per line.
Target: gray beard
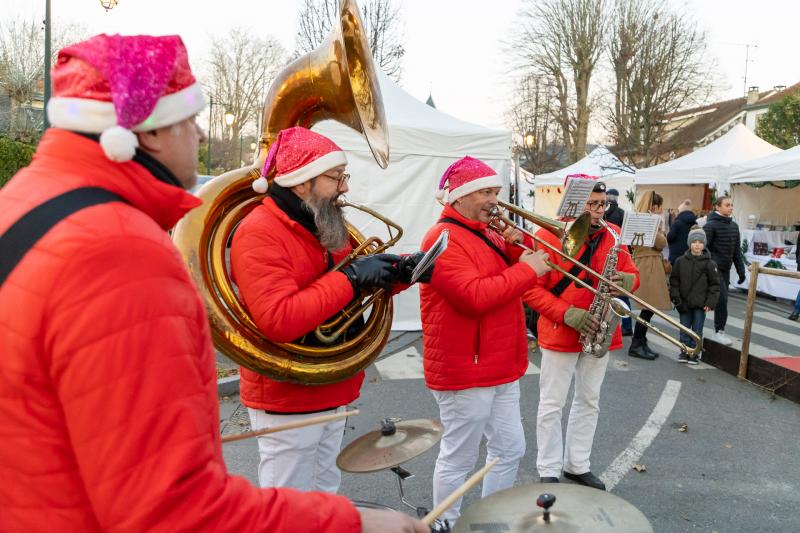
x,y
329,218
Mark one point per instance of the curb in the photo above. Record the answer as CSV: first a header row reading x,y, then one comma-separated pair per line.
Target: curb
x,y
228,386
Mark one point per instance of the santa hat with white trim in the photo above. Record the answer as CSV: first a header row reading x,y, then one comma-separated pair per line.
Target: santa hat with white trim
x,y
298,155
115,85
466,176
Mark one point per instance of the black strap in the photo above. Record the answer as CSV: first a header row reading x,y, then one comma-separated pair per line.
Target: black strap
x,y
584,259
33,225
481,236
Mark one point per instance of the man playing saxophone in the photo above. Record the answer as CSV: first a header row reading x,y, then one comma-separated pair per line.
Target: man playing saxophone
x,y
281,258
564,316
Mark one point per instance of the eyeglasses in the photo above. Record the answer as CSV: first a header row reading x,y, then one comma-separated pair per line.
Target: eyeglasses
x,y
594,204
344,178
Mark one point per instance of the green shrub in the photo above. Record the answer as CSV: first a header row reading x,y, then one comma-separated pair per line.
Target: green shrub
x,y
13,156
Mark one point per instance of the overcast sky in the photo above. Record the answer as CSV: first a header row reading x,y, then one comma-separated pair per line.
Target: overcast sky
x,y
454,48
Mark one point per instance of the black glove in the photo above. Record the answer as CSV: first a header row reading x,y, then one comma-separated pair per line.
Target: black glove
x,y
741,279
407,265
373,271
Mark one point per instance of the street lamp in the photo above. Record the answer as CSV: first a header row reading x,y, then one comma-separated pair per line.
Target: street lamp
x,y
530,138
229,119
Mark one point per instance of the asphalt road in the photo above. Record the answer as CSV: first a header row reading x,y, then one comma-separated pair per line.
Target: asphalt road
x,y
736,467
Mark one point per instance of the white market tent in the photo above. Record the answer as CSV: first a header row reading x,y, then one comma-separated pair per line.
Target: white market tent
x,y
599,162
771,205
688,176
423,143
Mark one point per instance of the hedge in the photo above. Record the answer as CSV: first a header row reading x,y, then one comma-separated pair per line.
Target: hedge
x,y
13,156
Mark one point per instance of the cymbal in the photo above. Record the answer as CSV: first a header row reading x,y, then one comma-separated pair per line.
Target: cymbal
x,y
576,508
393,444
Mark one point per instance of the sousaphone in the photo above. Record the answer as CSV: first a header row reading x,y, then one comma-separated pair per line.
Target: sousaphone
x,y
336,81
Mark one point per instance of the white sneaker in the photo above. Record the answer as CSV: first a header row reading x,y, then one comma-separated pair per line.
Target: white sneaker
x,y
721,338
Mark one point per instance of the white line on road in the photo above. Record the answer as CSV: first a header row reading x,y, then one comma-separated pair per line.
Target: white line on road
x,y
624,461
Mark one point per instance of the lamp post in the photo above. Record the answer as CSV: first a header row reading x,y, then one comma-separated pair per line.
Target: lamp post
x,y
210,116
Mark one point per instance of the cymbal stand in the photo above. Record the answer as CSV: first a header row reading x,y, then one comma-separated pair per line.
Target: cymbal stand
x,y
403,474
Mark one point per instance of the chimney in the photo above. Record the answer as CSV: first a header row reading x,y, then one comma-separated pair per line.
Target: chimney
x,y
779,88
752,95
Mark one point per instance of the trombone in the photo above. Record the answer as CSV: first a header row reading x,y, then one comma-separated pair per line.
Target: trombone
x,y
572,240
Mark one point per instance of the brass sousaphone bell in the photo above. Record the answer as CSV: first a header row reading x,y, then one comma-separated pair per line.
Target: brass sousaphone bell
x,y
336,81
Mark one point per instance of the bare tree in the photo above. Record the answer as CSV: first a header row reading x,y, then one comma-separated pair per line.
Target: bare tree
x,y
563,41
383,30
658,60
241,68
22,68
531,119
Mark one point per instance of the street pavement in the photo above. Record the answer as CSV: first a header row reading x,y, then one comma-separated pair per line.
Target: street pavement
x,y
719,455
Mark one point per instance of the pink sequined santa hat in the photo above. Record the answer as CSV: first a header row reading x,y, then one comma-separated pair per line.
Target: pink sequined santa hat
x,y
298,155
466,176
115,85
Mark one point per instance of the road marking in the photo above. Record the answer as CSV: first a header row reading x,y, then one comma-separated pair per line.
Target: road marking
x,y
755,349
624,461
407,364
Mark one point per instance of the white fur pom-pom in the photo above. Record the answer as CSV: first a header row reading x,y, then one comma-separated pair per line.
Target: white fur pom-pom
x,y
119,144
261,185
440,194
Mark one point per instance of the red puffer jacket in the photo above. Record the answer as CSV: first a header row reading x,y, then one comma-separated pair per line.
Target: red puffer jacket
x,y
109,410
473,324
553,333
280,268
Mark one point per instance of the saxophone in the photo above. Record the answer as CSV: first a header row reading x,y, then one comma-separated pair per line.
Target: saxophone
x,y
604,307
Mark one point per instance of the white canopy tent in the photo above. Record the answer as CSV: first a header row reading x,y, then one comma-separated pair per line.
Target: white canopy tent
x,y
688,176
423,143
777,206
599,162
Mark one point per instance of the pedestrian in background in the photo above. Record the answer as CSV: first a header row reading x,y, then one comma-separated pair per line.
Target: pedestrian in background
x,y
694,288
679,231
653,286
724,245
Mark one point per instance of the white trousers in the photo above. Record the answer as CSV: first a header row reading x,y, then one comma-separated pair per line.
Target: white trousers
x,y
468,415
302,458
558,369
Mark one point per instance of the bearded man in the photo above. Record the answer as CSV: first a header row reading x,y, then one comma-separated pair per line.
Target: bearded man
x,y
281,258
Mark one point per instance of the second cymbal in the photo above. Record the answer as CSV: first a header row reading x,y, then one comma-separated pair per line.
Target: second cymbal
x,y
393,444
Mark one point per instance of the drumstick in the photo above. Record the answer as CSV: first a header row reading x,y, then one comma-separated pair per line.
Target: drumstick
x,y
459,492
291,425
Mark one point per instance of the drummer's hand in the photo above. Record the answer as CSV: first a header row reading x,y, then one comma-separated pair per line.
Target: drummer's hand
x,y
379,521
512,235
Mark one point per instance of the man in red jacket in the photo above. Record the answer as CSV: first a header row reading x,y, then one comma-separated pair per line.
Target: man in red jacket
x,y
109,409
564,315
474,337
281,258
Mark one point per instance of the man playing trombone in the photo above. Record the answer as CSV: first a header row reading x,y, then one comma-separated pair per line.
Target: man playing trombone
x,y
564,316
281,257
474,333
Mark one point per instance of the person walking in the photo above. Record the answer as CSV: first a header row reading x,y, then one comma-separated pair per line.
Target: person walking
x,y
653,287
678,234
724,245
694,288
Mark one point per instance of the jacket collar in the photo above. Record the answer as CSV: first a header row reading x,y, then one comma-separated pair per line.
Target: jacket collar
x,y
294,226
716,215
450,211
132,180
